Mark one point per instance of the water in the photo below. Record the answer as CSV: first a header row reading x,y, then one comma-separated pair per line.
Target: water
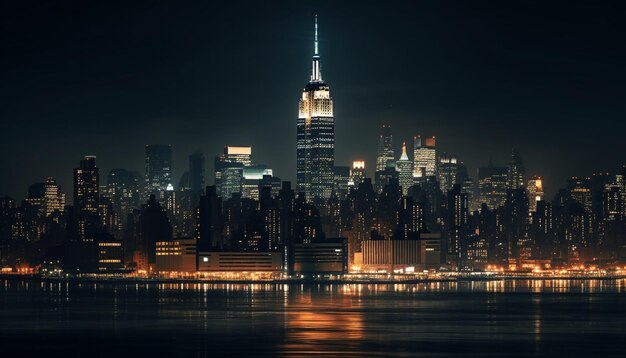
x,y
472,319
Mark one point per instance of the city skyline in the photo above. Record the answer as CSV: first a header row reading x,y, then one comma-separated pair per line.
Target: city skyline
x,y
357,126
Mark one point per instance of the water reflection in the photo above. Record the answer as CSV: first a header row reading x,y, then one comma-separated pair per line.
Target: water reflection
x,y
513,318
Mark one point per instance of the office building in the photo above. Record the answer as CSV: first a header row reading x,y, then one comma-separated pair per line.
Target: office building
x,y
196,176
385,148
158,170
425,156
123,191
405,171
229,170
315,135
535,192
178,255
492,185
447,171
357,173
516,171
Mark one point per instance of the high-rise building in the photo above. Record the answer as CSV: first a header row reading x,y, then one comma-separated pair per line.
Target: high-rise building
x,y
229,170
516,171
341,178
383,177
492,185
209,221
158,169
405,171
46,197
535,192
447,171
87,186
196,176
357,173
385,148
253,180
580,190
315,135
425,156
123,190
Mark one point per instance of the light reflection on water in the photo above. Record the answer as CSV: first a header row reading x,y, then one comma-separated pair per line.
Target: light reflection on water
x,y
478,318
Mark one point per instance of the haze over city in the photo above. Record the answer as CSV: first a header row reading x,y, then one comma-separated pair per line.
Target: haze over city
x,y
107,79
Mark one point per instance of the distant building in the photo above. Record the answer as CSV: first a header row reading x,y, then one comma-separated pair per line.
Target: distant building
x,y
580,191
535,192
447,171
405,171
492,185
229,170
385,148
342,181
357,173
209,221
87,186
196,176
383,177
516,171
123,190
158,174
425,155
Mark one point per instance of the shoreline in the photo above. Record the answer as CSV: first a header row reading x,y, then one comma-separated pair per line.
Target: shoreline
x,y
295,281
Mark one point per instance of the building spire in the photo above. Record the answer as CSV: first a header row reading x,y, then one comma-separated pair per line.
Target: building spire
x,y
404,156
316,42
316,74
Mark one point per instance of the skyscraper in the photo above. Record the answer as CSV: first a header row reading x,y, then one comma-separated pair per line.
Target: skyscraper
x,y
385,148
447,171
535,192
123,189
87,186
492,185
405,171
158,169
196,175
425,156
315,135
516,171
357,173
229,166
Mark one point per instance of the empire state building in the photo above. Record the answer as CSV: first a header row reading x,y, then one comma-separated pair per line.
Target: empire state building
x,y
316,135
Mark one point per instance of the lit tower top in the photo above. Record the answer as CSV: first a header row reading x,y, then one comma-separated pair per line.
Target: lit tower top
x,y
315,135
316,74
404,156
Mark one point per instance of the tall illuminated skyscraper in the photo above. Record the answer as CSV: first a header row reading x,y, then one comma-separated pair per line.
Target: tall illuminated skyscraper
x,y
87,186
535,192
447,171
229,170
405,171
385,148
357,173
492,185
158,169
516,171
424,156
315,135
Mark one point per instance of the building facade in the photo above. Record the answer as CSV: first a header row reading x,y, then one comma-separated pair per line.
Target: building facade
x,y
315,135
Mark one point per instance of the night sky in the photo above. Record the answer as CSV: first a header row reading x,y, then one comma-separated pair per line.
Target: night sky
x,y
105,79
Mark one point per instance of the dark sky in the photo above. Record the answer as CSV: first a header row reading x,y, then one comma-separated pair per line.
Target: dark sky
x,y
106,78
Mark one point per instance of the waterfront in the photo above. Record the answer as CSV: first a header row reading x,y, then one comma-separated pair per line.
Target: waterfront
x,y
514,318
